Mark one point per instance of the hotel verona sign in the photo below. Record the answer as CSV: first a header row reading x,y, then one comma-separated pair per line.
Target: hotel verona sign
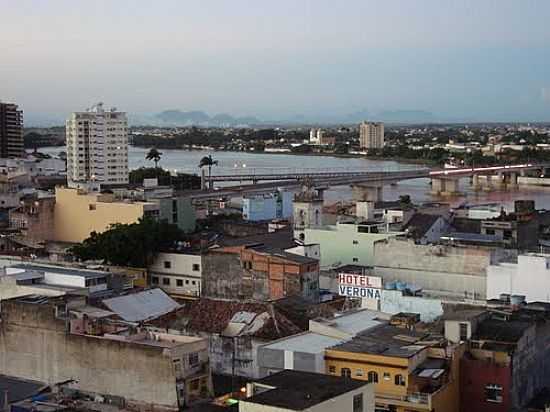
x,y
359,286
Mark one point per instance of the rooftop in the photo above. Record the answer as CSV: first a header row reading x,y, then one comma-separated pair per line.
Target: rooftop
x,y
355,322
385,340
297,391
142,306
86,273
308,342
419,224
18,389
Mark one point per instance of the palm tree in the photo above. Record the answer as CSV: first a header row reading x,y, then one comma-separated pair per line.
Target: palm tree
x,y
208,161
154,155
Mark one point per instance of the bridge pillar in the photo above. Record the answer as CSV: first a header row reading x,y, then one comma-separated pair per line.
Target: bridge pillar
x,y
367,193
501,181
513,180
203,179
445,186
476,185
489,187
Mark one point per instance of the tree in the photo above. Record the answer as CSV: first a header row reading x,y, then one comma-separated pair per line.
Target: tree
x,y
208,161
134,245
154,155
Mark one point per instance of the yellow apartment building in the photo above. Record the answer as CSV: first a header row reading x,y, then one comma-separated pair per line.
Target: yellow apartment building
x,y
409,372
78,213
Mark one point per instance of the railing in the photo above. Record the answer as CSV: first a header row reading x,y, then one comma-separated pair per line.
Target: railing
x,y
412,397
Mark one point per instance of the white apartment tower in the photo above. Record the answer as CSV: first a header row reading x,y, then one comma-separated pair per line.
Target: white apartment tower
x,y
97,147
371,135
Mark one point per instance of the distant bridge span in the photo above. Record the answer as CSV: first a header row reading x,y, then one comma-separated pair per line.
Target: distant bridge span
x,y
293,178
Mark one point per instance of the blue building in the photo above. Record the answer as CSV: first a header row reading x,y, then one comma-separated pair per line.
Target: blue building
x,y
277,205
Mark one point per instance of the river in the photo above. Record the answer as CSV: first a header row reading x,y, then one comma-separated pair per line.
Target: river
x,y
236,162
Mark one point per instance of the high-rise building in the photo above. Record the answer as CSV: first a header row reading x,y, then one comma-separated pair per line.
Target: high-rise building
x,y
11,131
371,135
97,147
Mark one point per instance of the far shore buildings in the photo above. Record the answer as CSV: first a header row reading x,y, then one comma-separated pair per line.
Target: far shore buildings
x,y
97,147
371,135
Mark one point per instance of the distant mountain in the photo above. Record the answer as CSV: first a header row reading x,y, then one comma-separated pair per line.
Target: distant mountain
x,y
200,118
406,116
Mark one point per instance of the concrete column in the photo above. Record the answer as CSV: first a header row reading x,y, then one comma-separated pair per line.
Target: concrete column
x,y
367,193
513,180
489,187
501,182
438,186
451,187
475,182
203,179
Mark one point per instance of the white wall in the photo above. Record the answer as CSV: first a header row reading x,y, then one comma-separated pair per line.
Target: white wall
x,y
393,302
529,277
184,273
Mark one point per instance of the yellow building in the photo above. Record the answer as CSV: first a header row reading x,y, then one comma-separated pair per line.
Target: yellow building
x,y
78,213
408,371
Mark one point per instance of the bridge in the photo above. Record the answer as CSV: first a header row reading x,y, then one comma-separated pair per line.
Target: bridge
x,y
366,183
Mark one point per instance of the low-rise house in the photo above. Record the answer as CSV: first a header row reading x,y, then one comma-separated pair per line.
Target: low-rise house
x,y
177,273
425,228
410,370
102,356
302,391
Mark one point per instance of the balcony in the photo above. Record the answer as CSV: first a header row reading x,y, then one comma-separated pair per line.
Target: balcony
x,y
417,401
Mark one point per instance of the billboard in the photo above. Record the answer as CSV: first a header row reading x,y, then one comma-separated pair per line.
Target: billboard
x,y
359,286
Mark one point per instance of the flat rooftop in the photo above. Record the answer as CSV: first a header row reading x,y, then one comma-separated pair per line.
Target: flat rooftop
x,y
308,342
355,322
18,388
297,391
86,273
385,340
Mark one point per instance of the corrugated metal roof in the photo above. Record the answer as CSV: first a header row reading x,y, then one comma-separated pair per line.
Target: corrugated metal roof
x,y
146,305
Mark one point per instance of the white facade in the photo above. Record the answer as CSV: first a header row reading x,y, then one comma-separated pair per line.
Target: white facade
x,y
316,136
530,277
371,135
177,273
97,147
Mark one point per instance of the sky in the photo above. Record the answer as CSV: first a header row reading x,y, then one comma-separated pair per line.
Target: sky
x,y
477,60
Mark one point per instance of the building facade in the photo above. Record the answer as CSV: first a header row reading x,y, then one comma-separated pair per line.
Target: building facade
x,y
277,205
371,135
78,213
97,147
178,274
11,131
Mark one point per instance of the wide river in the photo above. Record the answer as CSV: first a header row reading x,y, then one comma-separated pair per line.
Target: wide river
x,y
243,162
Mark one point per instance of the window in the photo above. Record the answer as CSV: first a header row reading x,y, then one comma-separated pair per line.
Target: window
x,y
166,281
193,359
91,206
358,403
507,234
355,242
179,282
356,259
196,267
359,372
463,331
345,372
489,231
387,376
372,377
177,365
399,380
155,280
493,393
193,282
186,281
332,369
167,264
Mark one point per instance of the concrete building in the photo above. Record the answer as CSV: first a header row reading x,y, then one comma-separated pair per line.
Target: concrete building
x,y
347,243
11,131
34,218
277,205
178,274
410,370
306,351
97,147
318,137
79,213
312,392
425,228
529,278
260,273
398,301
371,135
65,339
307,210
455,272
507,360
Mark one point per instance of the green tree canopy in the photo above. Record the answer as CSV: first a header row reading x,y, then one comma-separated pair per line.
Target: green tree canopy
x,y
134,245
154,155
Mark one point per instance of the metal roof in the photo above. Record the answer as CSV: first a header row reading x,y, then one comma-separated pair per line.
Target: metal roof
x,y
146,305
85,273
308,342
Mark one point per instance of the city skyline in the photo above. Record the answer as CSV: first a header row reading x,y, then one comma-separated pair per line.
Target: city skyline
x,y
473,61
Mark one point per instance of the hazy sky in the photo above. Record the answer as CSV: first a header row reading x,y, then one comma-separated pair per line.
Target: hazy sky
x,y
477,59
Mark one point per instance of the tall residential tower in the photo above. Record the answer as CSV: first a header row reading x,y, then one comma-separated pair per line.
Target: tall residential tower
x,y
11,131
97,147
371,135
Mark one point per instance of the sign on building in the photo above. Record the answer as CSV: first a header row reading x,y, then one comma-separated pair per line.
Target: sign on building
x,y
359,286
